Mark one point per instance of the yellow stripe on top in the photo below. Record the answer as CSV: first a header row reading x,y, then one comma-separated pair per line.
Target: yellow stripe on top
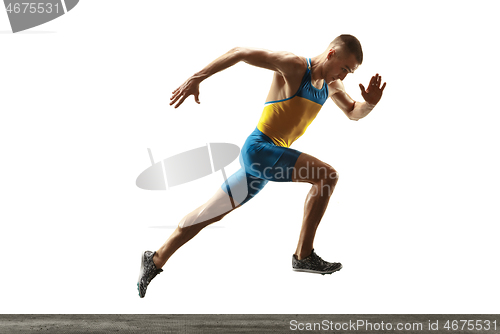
x,y
286,120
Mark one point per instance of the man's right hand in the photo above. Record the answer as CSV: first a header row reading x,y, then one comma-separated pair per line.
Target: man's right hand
x,y
190,87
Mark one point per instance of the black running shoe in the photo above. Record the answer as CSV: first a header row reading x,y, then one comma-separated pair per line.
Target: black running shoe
x,y
314,264
148,272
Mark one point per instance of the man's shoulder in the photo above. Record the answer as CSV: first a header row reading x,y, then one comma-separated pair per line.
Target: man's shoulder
x,y
291,63
294,60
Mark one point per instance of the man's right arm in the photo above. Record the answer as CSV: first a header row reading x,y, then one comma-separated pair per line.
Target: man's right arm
x,y
284,63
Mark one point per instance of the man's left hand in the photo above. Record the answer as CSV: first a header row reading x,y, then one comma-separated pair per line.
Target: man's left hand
x,y
373,93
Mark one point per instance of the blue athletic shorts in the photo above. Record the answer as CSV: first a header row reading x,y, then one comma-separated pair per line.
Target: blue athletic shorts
x,y
261,161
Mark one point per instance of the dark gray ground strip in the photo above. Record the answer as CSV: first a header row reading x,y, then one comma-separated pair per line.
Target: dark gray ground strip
x,y
240,323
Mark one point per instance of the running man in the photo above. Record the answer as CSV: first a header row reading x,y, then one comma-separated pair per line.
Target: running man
x,y
299,88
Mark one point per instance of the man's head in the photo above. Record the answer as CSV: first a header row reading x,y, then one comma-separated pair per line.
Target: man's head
x,y
348,45
344,55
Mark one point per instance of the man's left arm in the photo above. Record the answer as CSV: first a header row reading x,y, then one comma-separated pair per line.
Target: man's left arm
x,y
357,110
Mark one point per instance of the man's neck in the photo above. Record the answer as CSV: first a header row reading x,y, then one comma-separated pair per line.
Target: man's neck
x,y
317,67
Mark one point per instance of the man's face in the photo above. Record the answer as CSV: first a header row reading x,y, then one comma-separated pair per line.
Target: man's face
x,y
338,65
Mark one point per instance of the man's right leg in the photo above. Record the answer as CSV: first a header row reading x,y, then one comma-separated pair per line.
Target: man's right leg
x,y
210,212
236,191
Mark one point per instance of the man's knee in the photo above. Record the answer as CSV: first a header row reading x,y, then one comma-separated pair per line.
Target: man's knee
x,y
333,175
199,223
327,175
315,171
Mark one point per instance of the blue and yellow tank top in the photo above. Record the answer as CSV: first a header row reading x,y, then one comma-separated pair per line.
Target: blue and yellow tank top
x,y
284,121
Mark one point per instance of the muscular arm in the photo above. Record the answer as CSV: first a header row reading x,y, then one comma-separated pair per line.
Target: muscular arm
x,y
280,62
275,61
355,110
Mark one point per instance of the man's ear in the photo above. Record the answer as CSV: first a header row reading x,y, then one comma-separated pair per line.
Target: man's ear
x,y
331,52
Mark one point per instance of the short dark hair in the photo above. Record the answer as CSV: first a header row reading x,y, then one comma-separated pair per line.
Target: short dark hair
x,y
351,45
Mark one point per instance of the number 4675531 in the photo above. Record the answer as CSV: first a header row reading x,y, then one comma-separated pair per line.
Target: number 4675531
x,y
32,8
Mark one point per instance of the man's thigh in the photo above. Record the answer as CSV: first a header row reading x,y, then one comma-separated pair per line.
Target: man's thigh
x,y
312,170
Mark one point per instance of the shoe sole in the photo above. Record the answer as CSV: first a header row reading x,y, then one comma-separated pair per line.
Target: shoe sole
x,y
141,273
317,272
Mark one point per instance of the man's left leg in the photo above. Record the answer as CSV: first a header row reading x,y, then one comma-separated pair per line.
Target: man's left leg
x,y
284,164
323,179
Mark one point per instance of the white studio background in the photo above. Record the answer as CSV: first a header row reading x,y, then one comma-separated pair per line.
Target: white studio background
x,y
414,218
